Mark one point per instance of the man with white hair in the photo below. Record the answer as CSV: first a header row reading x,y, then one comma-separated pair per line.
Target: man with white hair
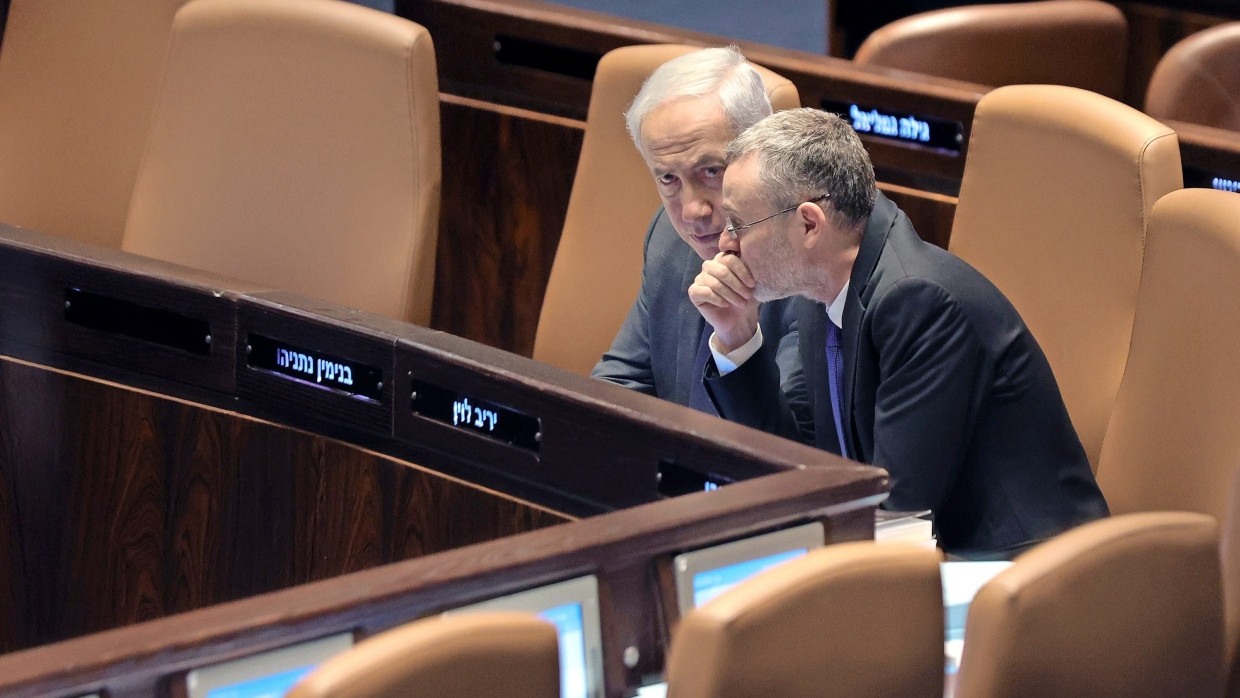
x,y
680,121
913,361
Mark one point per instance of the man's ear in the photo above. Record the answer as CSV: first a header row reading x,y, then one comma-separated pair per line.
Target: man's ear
x,y
813,223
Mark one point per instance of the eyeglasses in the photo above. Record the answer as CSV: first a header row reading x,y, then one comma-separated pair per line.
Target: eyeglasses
x,y
734,230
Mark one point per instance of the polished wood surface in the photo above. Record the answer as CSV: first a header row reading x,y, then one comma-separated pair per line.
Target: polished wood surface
x,y
623,549
120,506
507,176
577,420
135,489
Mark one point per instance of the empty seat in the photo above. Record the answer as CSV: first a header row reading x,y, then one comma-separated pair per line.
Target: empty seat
x,y
1198,80
1054,202
598,264
296,144
1172,443
1128,606
78,82
854,619
486,655
1080,43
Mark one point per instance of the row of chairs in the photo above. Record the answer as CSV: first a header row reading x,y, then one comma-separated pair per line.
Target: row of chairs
x,y
292,143
1079,43
1128,606
312,164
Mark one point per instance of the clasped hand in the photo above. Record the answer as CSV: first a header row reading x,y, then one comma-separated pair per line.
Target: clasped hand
x,y
723,292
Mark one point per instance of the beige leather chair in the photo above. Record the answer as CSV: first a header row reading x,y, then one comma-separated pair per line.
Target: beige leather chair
x,y
597,269
1173,442
78,81
854,619
1198,80
1081,43
1229,551
486,655
296,144
1056,193
1129,606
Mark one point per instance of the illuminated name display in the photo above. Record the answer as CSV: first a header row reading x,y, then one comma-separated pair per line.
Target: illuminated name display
x,y
314,368
901,127
1201,178
319,369
873,121
1225,184
468,413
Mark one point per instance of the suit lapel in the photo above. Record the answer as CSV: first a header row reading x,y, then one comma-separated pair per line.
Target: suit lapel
x,y
689,324
873,241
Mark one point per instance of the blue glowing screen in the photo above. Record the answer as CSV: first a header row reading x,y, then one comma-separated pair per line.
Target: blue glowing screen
x,y
711,583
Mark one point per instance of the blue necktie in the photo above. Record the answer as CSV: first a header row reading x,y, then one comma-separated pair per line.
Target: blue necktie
x,y
698,399
835,374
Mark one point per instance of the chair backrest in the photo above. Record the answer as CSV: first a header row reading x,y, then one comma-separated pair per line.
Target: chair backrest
x,y
598,263
78,82
485,655
854,619
1172,442
1126,606
296,144
1198,79
1053,208
1081,43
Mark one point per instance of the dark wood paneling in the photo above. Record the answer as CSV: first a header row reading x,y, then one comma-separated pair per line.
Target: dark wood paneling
x,y
476,30
41,271
623,549
1152,29
507,176
1208,153
931,214
120,506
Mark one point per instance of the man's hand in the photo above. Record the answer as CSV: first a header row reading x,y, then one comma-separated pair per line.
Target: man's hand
x,y
724,294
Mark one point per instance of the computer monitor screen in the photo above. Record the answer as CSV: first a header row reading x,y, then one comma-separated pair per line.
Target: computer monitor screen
x,y
266,674
703,574
961,582
572,607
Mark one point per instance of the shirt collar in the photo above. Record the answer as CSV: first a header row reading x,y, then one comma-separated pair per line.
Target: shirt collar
x,y
835,311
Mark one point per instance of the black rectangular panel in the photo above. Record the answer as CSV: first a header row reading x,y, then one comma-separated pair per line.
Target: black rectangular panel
x,y
469,413
903,127
105,313
312,363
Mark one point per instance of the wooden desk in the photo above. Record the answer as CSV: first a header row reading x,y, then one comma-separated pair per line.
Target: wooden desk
x,y
148,477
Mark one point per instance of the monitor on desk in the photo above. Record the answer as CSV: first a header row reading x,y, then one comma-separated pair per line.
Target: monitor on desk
x,y
266,674
572,607
703,574
961,582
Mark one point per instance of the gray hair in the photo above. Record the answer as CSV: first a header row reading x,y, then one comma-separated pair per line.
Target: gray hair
x,y
720,72
803,153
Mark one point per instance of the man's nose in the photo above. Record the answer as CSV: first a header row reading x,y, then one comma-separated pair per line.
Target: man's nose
x,y
698,204
729,243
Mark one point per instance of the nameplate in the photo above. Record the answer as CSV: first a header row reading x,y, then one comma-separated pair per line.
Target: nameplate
x,y
314,368
102,313
472,414
903,127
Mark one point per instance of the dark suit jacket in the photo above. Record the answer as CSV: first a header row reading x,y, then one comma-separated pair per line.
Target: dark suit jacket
x,y
944,387
655,349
